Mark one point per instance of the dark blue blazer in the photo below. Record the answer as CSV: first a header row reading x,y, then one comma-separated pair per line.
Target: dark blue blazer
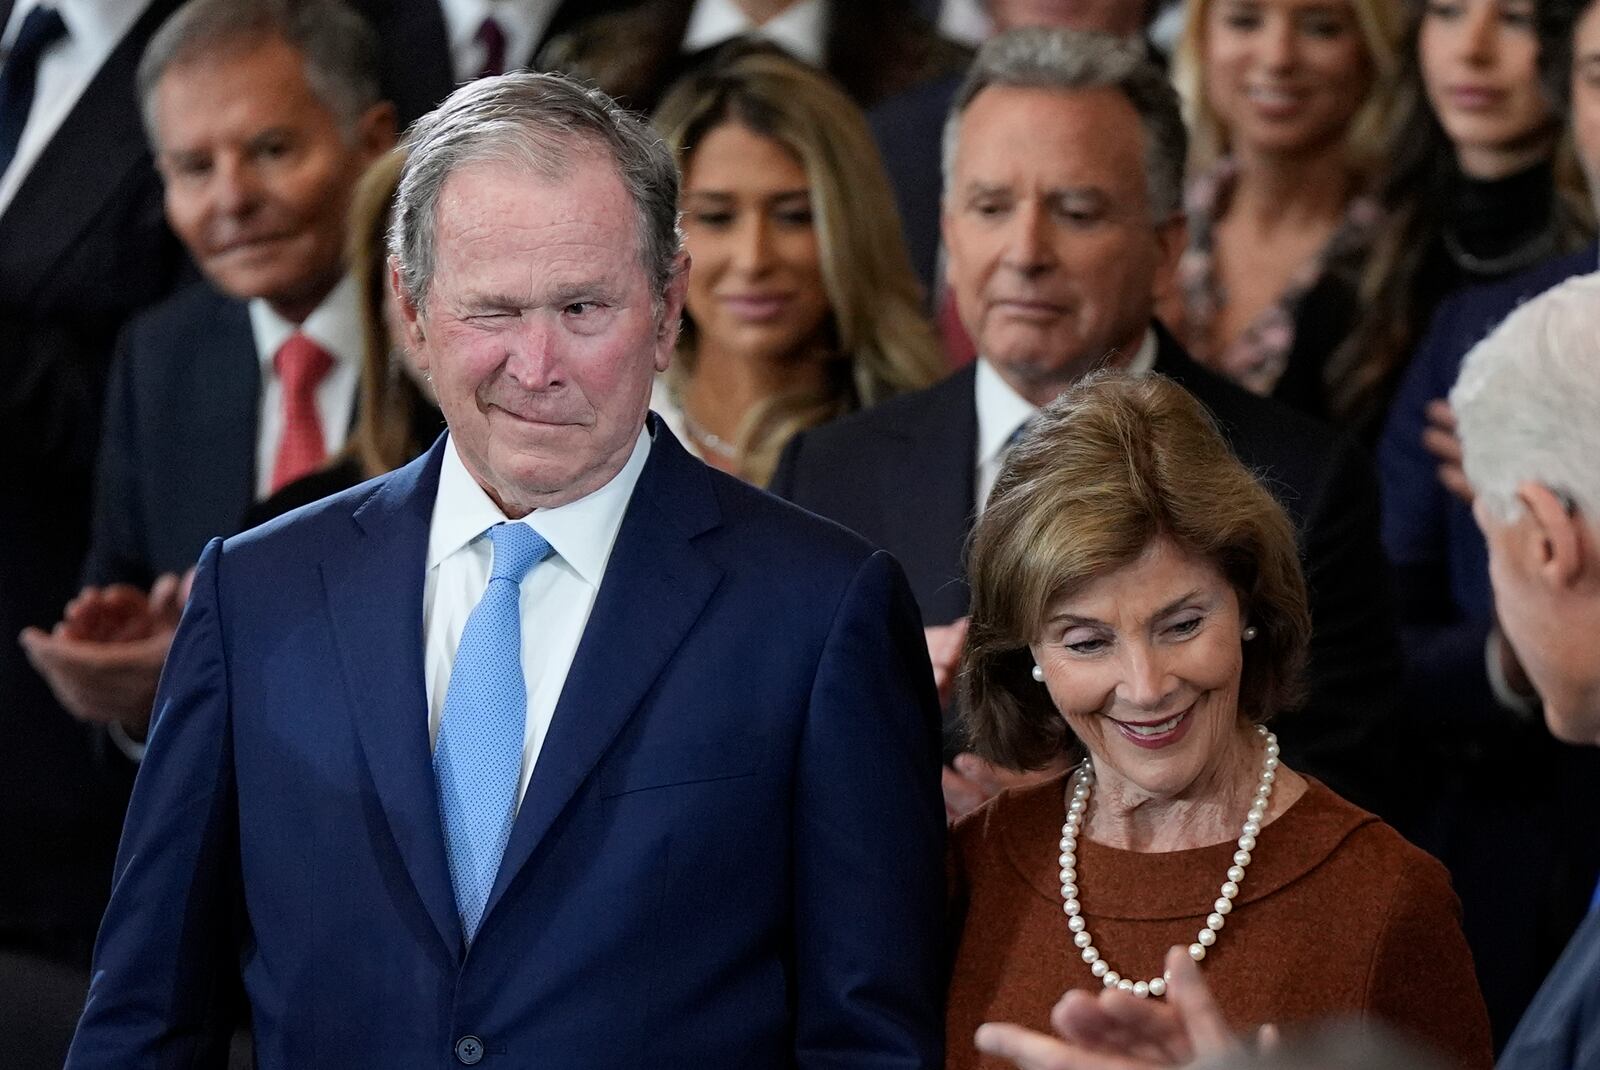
x,y
1561,1030
730,853
177,464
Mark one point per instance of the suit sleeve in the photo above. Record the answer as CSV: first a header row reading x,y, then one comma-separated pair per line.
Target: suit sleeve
x,y
1345,729
166,961
1421,979
116,547
869,840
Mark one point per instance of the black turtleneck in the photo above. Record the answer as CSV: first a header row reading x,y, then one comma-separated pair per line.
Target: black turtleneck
x,y
1498,227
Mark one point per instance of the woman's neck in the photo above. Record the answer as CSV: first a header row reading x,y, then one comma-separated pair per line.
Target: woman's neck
x,y
1210,811
726,386
1493,164
1274,191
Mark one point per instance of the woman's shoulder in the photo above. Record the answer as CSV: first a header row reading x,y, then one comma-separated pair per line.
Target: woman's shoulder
x,y
1361,842
1021,812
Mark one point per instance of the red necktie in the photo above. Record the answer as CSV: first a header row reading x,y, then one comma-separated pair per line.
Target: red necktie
x,y
301,365
493,39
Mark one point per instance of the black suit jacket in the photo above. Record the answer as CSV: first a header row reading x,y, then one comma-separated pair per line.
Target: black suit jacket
x,y
417,72
902,475
178,454
82,246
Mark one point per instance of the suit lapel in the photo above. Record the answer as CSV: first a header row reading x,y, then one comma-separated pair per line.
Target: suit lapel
x,y
656,585
929,494
374,591
85,164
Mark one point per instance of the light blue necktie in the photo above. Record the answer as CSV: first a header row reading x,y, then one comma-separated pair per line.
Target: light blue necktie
x,y
477,760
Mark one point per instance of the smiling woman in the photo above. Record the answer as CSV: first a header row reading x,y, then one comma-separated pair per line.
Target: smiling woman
x,y
1137,605
802,305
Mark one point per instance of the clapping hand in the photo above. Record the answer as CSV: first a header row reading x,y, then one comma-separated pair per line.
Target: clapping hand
x,y
1117,1030
1439,439
103,658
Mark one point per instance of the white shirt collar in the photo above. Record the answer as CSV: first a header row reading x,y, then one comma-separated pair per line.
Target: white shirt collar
x,y
335,325
800,28
95,26
1002,411
581,532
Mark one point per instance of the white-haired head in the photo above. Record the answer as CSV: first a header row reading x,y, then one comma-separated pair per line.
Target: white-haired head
x,y
1527,402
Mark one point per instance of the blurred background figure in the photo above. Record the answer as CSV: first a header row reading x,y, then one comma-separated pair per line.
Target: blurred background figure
x,y
263,115
1476,190
872,48
396,418
1291,104
801,305
1470,703
1138,608
83,246
908,125
428,47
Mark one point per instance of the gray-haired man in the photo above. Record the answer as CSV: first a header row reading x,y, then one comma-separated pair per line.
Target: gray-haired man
x,y
555,748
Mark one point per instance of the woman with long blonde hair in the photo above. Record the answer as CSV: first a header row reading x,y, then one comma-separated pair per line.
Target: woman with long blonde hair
x,y
802,305
1290,103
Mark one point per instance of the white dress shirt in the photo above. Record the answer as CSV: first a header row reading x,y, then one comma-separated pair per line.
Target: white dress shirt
x,y
523,22
335,325
800,29
557,594
94,28
1002,411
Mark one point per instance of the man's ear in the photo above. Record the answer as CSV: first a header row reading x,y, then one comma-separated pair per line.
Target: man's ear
x,y
410,316
672,302
1559,542
1172,238
377,130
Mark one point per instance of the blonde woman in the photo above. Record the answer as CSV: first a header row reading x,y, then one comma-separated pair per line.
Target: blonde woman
x,y
1290,103
802,305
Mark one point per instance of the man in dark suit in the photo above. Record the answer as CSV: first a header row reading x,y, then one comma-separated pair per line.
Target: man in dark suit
x,y
233,386
554,748
1061,223
83,245
428,47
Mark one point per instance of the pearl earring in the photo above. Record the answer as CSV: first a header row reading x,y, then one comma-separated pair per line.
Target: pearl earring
x,y
1038,673
1250,633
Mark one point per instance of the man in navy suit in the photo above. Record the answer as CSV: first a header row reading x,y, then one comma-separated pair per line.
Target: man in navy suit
x,y
262,116
554,748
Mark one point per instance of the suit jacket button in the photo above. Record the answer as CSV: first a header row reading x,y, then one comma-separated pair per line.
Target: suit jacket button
x,y
469,1051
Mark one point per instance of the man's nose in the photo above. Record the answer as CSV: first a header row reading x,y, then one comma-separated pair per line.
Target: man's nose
x,y
235,187
1028,240
532,358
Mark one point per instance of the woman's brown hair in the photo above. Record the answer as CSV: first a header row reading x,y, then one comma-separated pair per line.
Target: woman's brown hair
x,y
1112,465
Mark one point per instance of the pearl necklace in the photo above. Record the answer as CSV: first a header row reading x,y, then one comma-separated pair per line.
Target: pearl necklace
x,y
1157,986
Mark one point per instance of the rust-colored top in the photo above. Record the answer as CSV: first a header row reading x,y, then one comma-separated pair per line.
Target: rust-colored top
x,y
1337,916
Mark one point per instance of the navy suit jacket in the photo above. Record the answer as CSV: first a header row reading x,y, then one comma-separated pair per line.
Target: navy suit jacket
x,y
730,853
1561,1030
902,474
178,448
83,245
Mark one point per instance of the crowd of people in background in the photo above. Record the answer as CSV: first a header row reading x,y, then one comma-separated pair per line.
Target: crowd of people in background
x,y
1131,329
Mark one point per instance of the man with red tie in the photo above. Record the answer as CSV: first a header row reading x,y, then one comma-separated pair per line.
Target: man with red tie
x,y
262,117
